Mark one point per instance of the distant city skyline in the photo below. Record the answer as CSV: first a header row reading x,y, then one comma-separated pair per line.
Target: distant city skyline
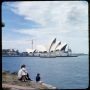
x,y
42,21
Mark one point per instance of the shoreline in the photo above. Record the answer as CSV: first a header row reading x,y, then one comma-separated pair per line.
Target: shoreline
x,y
76,55
10,82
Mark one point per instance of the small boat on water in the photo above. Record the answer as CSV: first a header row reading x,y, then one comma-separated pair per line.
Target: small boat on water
x,y
47,56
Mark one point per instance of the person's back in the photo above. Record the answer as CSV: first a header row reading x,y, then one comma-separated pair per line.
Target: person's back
x,y
19,73
38,77
23,74
22,71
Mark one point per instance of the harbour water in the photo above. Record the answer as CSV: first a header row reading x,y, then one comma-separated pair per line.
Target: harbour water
x,y
61,72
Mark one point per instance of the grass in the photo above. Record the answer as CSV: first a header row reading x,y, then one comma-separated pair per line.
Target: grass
x,y
8,78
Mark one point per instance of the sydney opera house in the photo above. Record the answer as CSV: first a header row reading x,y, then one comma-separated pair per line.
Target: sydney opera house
x,y
55,49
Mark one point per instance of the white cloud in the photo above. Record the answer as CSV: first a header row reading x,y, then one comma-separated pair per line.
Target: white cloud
x,y
57,19
51,14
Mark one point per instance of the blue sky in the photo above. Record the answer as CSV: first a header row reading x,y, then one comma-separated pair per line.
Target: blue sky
x,y
42,21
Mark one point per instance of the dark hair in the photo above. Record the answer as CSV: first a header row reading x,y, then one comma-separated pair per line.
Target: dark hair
x,y
23,65
38,74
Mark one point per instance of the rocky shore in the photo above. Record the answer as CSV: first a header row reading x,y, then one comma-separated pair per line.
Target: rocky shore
x,y
10,82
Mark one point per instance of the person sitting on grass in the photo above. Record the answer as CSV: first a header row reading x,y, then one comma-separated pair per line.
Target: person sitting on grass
x,y
23,74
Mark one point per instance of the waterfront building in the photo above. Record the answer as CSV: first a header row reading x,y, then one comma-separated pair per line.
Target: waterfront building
x,y
55,49
10,52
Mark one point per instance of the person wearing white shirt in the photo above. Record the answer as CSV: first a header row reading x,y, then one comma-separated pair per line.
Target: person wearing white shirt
x,y
23,74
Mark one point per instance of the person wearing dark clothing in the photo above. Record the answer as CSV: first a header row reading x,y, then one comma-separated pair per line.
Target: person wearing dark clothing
x,y
38,77
27,77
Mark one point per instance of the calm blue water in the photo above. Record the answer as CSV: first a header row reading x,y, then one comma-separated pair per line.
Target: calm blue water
x,y
62,72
